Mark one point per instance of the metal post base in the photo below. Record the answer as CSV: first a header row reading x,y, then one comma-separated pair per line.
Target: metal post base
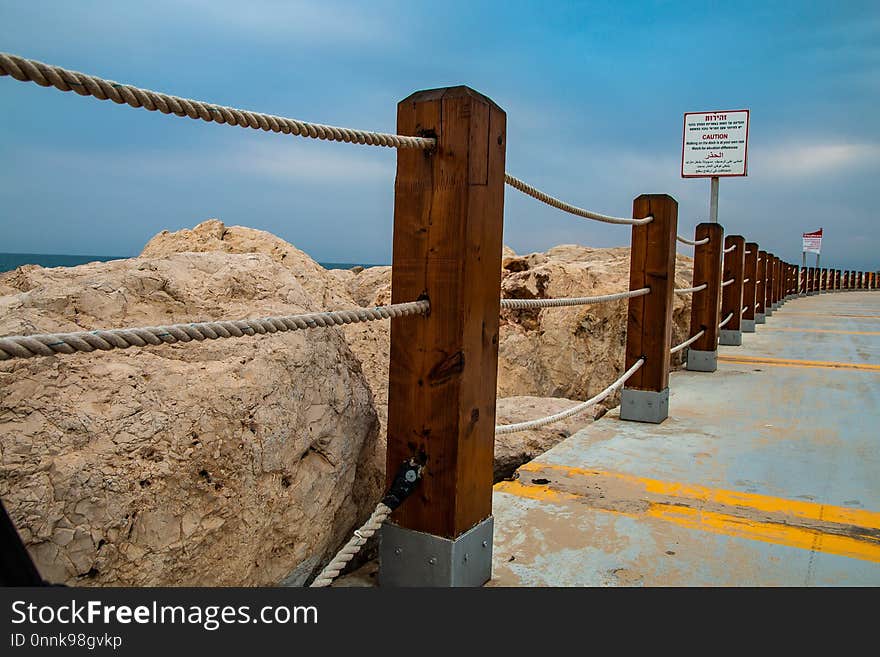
x,y
760,319
644,405
411,558
702,361
730,338
747,325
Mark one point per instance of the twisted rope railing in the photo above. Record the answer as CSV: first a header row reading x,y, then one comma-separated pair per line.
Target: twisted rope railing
x,y
729,281
746,280
371,526
748,252
685,240
520,304
45,75
690,290
49,344
732,247
726,319
687,342
744,309
535,193
574,410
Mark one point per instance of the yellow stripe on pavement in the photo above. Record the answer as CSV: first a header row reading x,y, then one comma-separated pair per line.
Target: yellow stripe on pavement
x,y
790,362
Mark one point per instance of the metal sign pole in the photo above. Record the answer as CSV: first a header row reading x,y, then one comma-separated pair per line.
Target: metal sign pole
x,y
713,200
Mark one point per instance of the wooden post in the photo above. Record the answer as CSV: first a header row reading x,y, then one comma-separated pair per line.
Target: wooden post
x,y
706,304
825,280
732,295
750,285
846,279
817,279
448,218
761,266
768,288
645,397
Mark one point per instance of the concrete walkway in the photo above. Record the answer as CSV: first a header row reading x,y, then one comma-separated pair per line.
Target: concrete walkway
x,y
766,473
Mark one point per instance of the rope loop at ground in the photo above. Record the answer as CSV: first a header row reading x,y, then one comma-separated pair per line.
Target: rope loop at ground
x,y
537,194
340,561
574,410
521,304
45,75
49,344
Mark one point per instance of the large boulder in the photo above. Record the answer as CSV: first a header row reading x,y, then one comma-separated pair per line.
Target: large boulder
x,y
243,461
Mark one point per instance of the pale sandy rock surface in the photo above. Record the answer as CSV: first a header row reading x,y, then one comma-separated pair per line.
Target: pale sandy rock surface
x,y
232,462
213,235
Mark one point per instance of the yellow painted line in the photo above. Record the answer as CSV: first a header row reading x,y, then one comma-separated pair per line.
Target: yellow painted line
x,y
767,532
834,315
789,362
719,523
806,330
798,508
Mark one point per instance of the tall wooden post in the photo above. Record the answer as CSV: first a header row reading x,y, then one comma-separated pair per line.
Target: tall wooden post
x,y
750,285
825,279
760,284
817,280
645,397
769,290
448,218
846,279
732,294
702,356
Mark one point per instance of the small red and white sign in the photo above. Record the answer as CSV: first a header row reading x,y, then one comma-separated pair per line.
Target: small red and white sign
x,y
715,144
813,242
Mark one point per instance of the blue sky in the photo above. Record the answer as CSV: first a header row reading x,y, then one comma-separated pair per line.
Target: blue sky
x,y
594,93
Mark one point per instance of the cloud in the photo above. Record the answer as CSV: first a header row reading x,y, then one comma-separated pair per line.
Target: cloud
x,y
811,159
285,160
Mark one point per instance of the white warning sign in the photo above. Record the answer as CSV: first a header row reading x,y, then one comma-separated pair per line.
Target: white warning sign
x,y
715,144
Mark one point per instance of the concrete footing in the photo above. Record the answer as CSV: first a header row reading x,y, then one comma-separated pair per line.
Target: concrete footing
x,y
702,361
760,318
730,338
644,405
747,325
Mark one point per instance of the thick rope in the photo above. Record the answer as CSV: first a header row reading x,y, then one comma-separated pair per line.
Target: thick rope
x,y
574,410
685,240
732,247
687,342
29,70
528,190
744,309
49,344
519,304
746,280
331,570
726,319
748,253
729,281
690,290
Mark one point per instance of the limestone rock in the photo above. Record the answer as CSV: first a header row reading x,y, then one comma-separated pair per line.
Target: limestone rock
x,y
213,235
243,461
